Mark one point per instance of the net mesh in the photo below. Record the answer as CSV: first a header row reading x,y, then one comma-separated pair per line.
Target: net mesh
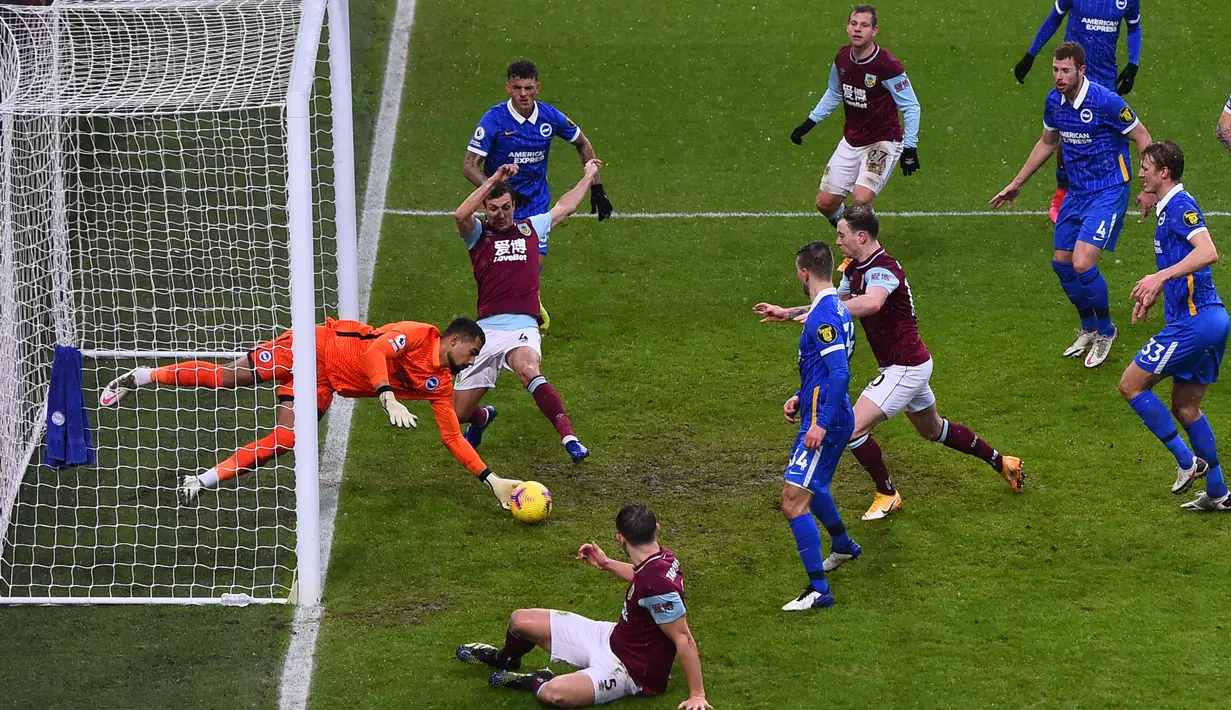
x,y
143,203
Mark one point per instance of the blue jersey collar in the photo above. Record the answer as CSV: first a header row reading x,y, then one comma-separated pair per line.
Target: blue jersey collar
x,y
534,117
827,292
1077,102
1162,204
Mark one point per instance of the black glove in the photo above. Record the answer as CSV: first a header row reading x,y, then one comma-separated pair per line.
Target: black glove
x,y
1023,68
1124,82
598,201
910,161
797,135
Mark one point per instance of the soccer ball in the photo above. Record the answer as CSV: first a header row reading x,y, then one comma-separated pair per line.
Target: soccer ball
x,y
530,502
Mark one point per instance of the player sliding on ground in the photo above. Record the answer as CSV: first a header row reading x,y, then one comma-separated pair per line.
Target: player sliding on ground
x,y
875,290
822,409
404,360
871,86
1189,349
614,660
1093,127
506,269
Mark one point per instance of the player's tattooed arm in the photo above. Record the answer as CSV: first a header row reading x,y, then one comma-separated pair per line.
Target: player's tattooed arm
x,y
472,169
777,314
585,150
1223,131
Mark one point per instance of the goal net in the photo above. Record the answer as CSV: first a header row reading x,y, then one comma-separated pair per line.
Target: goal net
x,y
161,162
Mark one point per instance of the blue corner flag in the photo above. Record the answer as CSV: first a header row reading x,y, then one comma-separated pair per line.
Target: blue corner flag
x,y
69,442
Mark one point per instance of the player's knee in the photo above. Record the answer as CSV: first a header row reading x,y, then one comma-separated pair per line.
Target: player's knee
x,y
1084,262
794,502
1129,387
554,694
520,622
1186,413
827,203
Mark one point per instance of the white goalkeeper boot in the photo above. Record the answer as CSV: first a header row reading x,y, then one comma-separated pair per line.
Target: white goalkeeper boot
x,y
502,488
120,387
190,488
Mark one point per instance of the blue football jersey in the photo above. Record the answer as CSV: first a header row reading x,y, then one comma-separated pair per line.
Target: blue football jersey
x,y
1095,25
505,136
825,348
1094,132
1179,219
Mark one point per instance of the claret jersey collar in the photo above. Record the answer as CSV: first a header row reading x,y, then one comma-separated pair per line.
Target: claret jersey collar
x,y
534,117
1077,102
1162,204
864,264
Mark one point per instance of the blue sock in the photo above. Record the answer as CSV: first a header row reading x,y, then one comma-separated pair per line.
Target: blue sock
x,y
1202,438
1158,420
1072,289
1094,288
808,542
824,508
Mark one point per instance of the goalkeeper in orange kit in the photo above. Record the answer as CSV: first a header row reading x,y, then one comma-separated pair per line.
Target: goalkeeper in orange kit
x,y
404,360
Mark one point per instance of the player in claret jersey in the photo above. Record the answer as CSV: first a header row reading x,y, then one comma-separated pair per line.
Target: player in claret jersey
x,y
404,360
520,131
1223,131
871,85
1190,348
632,656
506,269
1095,25
875,290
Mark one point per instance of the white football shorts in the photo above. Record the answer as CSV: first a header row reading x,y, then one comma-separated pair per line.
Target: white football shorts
x,y
899,388
493,357
585,645
868,166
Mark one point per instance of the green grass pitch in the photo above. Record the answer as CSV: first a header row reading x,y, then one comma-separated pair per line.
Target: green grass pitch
x,y
1090,590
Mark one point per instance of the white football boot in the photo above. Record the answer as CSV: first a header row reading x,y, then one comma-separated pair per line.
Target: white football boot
x,y
1085,338
1101,348
120,387
1205,503
809,599
1184,477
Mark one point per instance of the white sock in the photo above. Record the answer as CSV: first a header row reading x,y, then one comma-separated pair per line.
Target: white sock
x,y
567,439
209,479
142,376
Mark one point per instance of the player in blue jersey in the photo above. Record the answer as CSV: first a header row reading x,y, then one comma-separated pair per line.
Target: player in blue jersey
x,y
1224,126
1190,347
1095,25
520,131
822,408
1094,126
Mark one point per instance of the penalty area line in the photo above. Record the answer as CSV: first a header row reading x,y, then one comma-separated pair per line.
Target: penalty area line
x,y
295,685
772,215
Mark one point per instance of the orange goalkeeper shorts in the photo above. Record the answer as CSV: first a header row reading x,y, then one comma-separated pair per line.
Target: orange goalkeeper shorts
x,y
274,361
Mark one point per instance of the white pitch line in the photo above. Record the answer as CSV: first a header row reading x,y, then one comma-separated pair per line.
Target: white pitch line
x,y
296,683
769,215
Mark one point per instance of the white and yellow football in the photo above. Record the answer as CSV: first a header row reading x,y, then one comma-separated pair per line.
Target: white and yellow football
x,y
530,502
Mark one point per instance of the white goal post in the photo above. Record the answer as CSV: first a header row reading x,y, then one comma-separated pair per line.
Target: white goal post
x,y
177,181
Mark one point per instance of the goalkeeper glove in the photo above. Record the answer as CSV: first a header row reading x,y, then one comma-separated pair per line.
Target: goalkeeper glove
x,y
1124,82
599,204
797,135
910,161
399,415
1023,68
502,488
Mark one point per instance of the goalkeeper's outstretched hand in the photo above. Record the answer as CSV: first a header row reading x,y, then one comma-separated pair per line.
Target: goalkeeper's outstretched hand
x,y
399,415
1022,68
502,488
599,204
910,161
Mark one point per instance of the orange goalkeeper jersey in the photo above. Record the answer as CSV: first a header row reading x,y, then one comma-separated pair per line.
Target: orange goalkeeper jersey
x,y
355,359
